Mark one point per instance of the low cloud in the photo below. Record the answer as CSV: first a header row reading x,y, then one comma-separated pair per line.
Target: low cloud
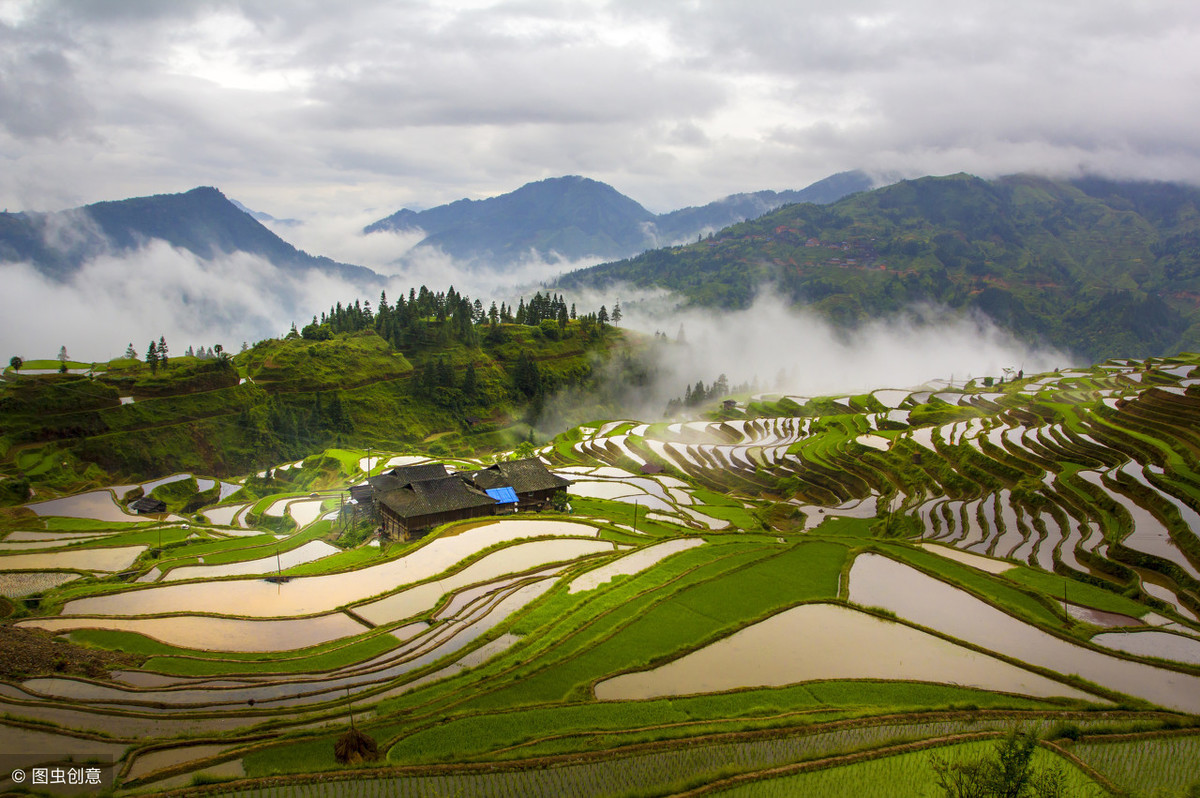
x,y
788,350
155,291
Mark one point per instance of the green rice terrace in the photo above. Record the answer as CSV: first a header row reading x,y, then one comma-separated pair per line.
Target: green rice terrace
x,y
789,595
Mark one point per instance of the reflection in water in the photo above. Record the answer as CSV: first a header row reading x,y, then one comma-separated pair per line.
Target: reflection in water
x,y
826,641
220,634
311,595
878,581
109,560
97,505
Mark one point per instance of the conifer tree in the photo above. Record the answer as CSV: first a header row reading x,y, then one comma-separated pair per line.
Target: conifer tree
x,y
162,351
152,357
130,352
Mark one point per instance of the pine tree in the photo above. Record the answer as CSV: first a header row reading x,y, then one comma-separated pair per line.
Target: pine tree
x,y
616,314
602,316
470,382
162,351
130,352
152,357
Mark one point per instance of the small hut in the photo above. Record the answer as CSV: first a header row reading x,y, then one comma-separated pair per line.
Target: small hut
x,y
148,506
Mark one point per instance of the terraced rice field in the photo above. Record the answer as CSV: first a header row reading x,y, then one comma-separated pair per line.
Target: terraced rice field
x,y
768,587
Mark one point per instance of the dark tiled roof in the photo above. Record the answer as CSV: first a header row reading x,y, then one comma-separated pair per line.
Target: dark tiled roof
x,y
433,496
148,505
406,475
524,476
419,473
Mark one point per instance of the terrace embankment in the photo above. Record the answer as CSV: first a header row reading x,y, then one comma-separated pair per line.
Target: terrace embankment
x,y
32,652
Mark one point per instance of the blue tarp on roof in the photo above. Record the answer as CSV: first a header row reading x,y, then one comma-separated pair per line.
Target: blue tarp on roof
x,y
502,495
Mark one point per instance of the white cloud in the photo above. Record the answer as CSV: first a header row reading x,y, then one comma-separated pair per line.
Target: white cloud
x,y
309,109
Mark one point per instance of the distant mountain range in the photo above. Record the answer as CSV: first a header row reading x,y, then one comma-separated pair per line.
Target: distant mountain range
x,y
573,217
202,221
1097,267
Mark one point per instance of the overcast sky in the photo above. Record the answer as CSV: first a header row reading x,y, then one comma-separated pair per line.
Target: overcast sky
x,y
308,107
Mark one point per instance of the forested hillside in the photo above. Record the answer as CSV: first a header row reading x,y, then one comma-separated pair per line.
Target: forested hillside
x,y
433,371
1096,267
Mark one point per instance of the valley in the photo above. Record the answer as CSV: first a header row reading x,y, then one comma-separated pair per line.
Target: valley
x,y
781,590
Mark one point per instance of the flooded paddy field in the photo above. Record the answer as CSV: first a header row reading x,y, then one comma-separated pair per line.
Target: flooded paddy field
x,y
752,601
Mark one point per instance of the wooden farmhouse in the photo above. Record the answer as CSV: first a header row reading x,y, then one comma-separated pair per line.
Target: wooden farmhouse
x,y
529,478
415,498
427,503
148,506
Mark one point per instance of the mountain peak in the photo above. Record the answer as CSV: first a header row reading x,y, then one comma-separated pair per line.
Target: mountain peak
x,y
576,217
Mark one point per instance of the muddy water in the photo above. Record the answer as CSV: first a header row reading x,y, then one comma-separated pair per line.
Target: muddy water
x,y
223,516
1099,617
107,560
878,581
157,760
26,747
1044,554
633,563
602,490
990,529
305,512
32,545
299,689
891,398
124,726
310,595
1013,535
513,559
67,537
221,634
825,641
147,487
1149,534
1163,645
97,505
974,560
309,552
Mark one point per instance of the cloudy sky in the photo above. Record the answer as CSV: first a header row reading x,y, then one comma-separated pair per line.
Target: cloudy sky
x,y
307,107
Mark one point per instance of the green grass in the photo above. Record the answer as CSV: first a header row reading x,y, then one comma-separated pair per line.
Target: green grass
x,y
571,728
343,561
195,662
1076,592
739,516
1151,766
622,513
733,594
900,776
991,588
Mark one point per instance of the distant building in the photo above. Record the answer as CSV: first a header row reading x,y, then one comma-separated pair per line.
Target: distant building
x,y
533,483
396,478
414,498
148,506
427,503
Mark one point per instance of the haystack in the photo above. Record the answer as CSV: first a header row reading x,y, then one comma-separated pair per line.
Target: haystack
x,y
354,747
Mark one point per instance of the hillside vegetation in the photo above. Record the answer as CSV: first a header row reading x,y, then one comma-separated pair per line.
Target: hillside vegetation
x,y
421,381
1102,269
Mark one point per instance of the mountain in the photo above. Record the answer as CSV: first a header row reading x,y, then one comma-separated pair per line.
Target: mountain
x,y
575,217
685,224
202,221
265,218
1097,267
